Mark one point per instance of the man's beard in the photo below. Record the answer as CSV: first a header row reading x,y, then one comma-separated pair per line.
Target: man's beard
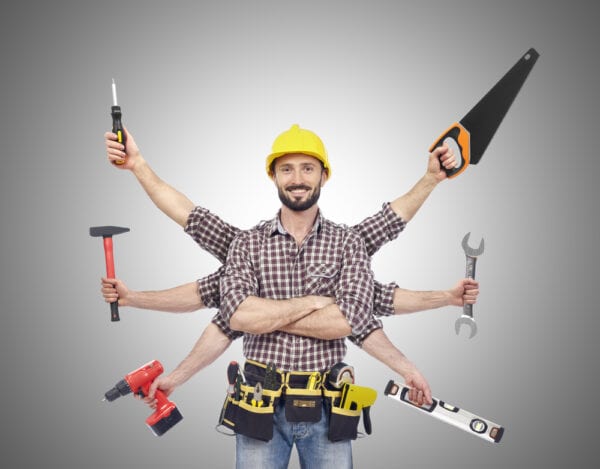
x,y
298,205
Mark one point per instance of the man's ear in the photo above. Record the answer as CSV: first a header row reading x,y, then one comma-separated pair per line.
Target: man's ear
x,y
324,177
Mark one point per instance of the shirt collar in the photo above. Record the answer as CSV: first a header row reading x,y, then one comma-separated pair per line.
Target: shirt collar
x,y
277,227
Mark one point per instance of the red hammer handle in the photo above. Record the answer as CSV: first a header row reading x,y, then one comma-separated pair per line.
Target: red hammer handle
x,y
107,233
110,273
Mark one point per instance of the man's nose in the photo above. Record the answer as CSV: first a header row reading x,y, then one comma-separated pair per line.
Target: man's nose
x,y
297,176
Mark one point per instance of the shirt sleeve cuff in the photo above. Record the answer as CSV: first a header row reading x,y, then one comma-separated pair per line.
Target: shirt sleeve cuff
x,y
383,298
208,289
373,325
223,325
394,223
194,220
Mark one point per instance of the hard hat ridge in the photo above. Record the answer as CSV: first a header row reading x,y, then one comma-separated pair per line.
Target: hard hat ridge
x,y
298,140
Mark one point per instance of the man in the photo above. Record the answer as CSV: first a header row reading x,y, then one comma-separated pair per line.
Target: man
x,y
300,264
386,225
376,230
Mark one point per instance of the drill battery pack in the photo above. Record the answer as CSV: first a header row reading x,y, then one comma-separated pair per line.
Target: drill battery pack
x,y
164,423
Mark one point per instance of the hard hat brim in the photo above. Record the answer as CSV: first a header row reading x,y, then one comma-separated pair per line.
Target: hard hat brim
x,y
273,156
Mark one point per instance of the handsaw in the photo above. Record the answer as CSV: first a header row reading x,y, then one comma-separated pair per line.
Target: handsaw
x,y
470,137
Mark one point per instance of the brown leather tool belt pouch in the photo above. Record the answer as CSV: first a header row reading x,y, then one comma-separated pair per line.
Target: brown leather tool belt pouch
x,y
343,423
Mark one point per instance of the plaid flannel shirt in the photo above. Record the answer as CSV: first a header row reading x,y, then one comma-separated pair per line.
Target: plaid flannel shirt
x,y
332,261
215,235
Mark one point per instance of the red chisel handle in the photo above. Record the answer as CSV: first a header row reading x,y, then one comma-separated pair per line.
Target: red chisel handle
x,y
458,139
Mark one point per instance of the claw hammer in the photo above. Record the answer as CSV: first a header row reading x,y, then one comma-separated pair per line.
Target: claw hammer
x,y
107,233
472,254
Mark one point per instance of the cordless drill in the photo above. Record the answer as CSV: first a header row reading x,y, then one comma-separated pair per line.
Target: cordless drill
x,y
139,382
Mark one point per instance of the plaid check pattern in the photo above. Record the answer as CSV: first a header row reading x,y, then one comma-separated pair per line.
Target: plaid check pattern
x,y
214,235
332,261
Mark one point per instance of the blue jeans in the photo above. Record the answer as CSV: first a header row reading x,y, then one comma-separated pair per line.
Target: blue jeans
x,y
315,451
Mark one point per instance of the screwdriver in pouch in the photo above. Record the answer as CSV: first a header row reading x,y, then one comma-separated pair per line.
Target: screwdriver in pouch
x,y
117,125
232,375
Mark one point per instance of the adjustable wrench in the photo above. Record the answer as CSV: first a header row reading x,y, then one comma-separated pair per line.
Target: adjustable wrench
x,y
467,315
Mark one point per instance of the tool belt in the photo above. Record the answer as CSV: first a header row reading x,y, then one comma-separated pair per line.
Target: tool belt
x,y
249,409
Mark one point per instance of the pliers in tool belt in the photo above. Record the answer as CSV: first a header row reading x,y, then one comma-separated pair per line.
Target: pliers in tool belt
x,y
257,396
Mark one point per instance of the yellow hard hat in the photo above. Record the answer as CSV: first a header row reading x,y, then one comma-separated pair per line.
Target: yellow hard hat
x,y
297,140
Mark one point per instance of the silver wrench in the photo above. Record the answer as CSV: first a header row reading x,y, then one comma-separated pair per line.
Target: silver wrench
x,y
467,315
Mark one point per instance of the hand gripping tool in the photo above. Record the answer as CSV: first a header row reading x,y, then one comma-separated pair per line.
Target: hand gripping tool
x,y
117,124
107,232
472,254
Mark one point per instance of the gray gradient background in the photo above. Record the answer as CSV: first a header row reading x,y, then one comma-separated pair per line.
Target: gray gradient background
x,y
205,88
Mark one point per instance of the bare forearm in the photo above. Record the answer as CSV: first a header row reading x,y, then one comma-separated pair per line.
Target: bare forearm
x,y
170,201
407,205
410,301
262,315
211,345
378,345
181,299
327,324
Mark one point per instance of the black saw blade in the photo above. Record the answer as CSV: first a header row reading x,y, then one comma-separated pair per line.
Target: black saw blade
x,y
483,120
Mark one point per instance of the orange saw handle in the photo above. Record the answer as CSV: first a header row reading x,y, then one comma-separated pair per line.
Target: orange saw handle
x,y
459,139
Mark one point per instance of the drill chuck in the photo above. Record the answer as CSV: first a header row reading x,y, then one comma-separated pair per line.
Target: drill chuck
x,y
121,389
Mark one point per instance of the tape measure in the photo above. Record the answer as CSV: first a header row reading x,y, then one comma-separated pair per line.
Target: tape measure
x,y
341,374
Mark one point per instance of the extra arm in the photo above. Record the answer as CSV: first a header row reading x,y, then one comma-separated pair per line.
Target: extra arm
x,y
385,225
407,205
391,300
181,299
379,346
170,201
209,231
211,345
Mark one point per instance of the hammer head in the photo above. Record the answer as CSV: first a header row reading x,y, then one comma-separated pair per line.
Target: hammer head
x,y
107,231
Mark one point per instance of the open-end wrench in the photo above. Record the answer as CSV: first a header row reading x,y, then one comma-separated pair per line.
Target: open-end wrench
x,y
467,315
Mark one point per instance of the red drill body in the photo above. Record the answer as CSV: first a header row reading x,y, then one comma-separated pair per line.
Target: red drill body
x,y
139,382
